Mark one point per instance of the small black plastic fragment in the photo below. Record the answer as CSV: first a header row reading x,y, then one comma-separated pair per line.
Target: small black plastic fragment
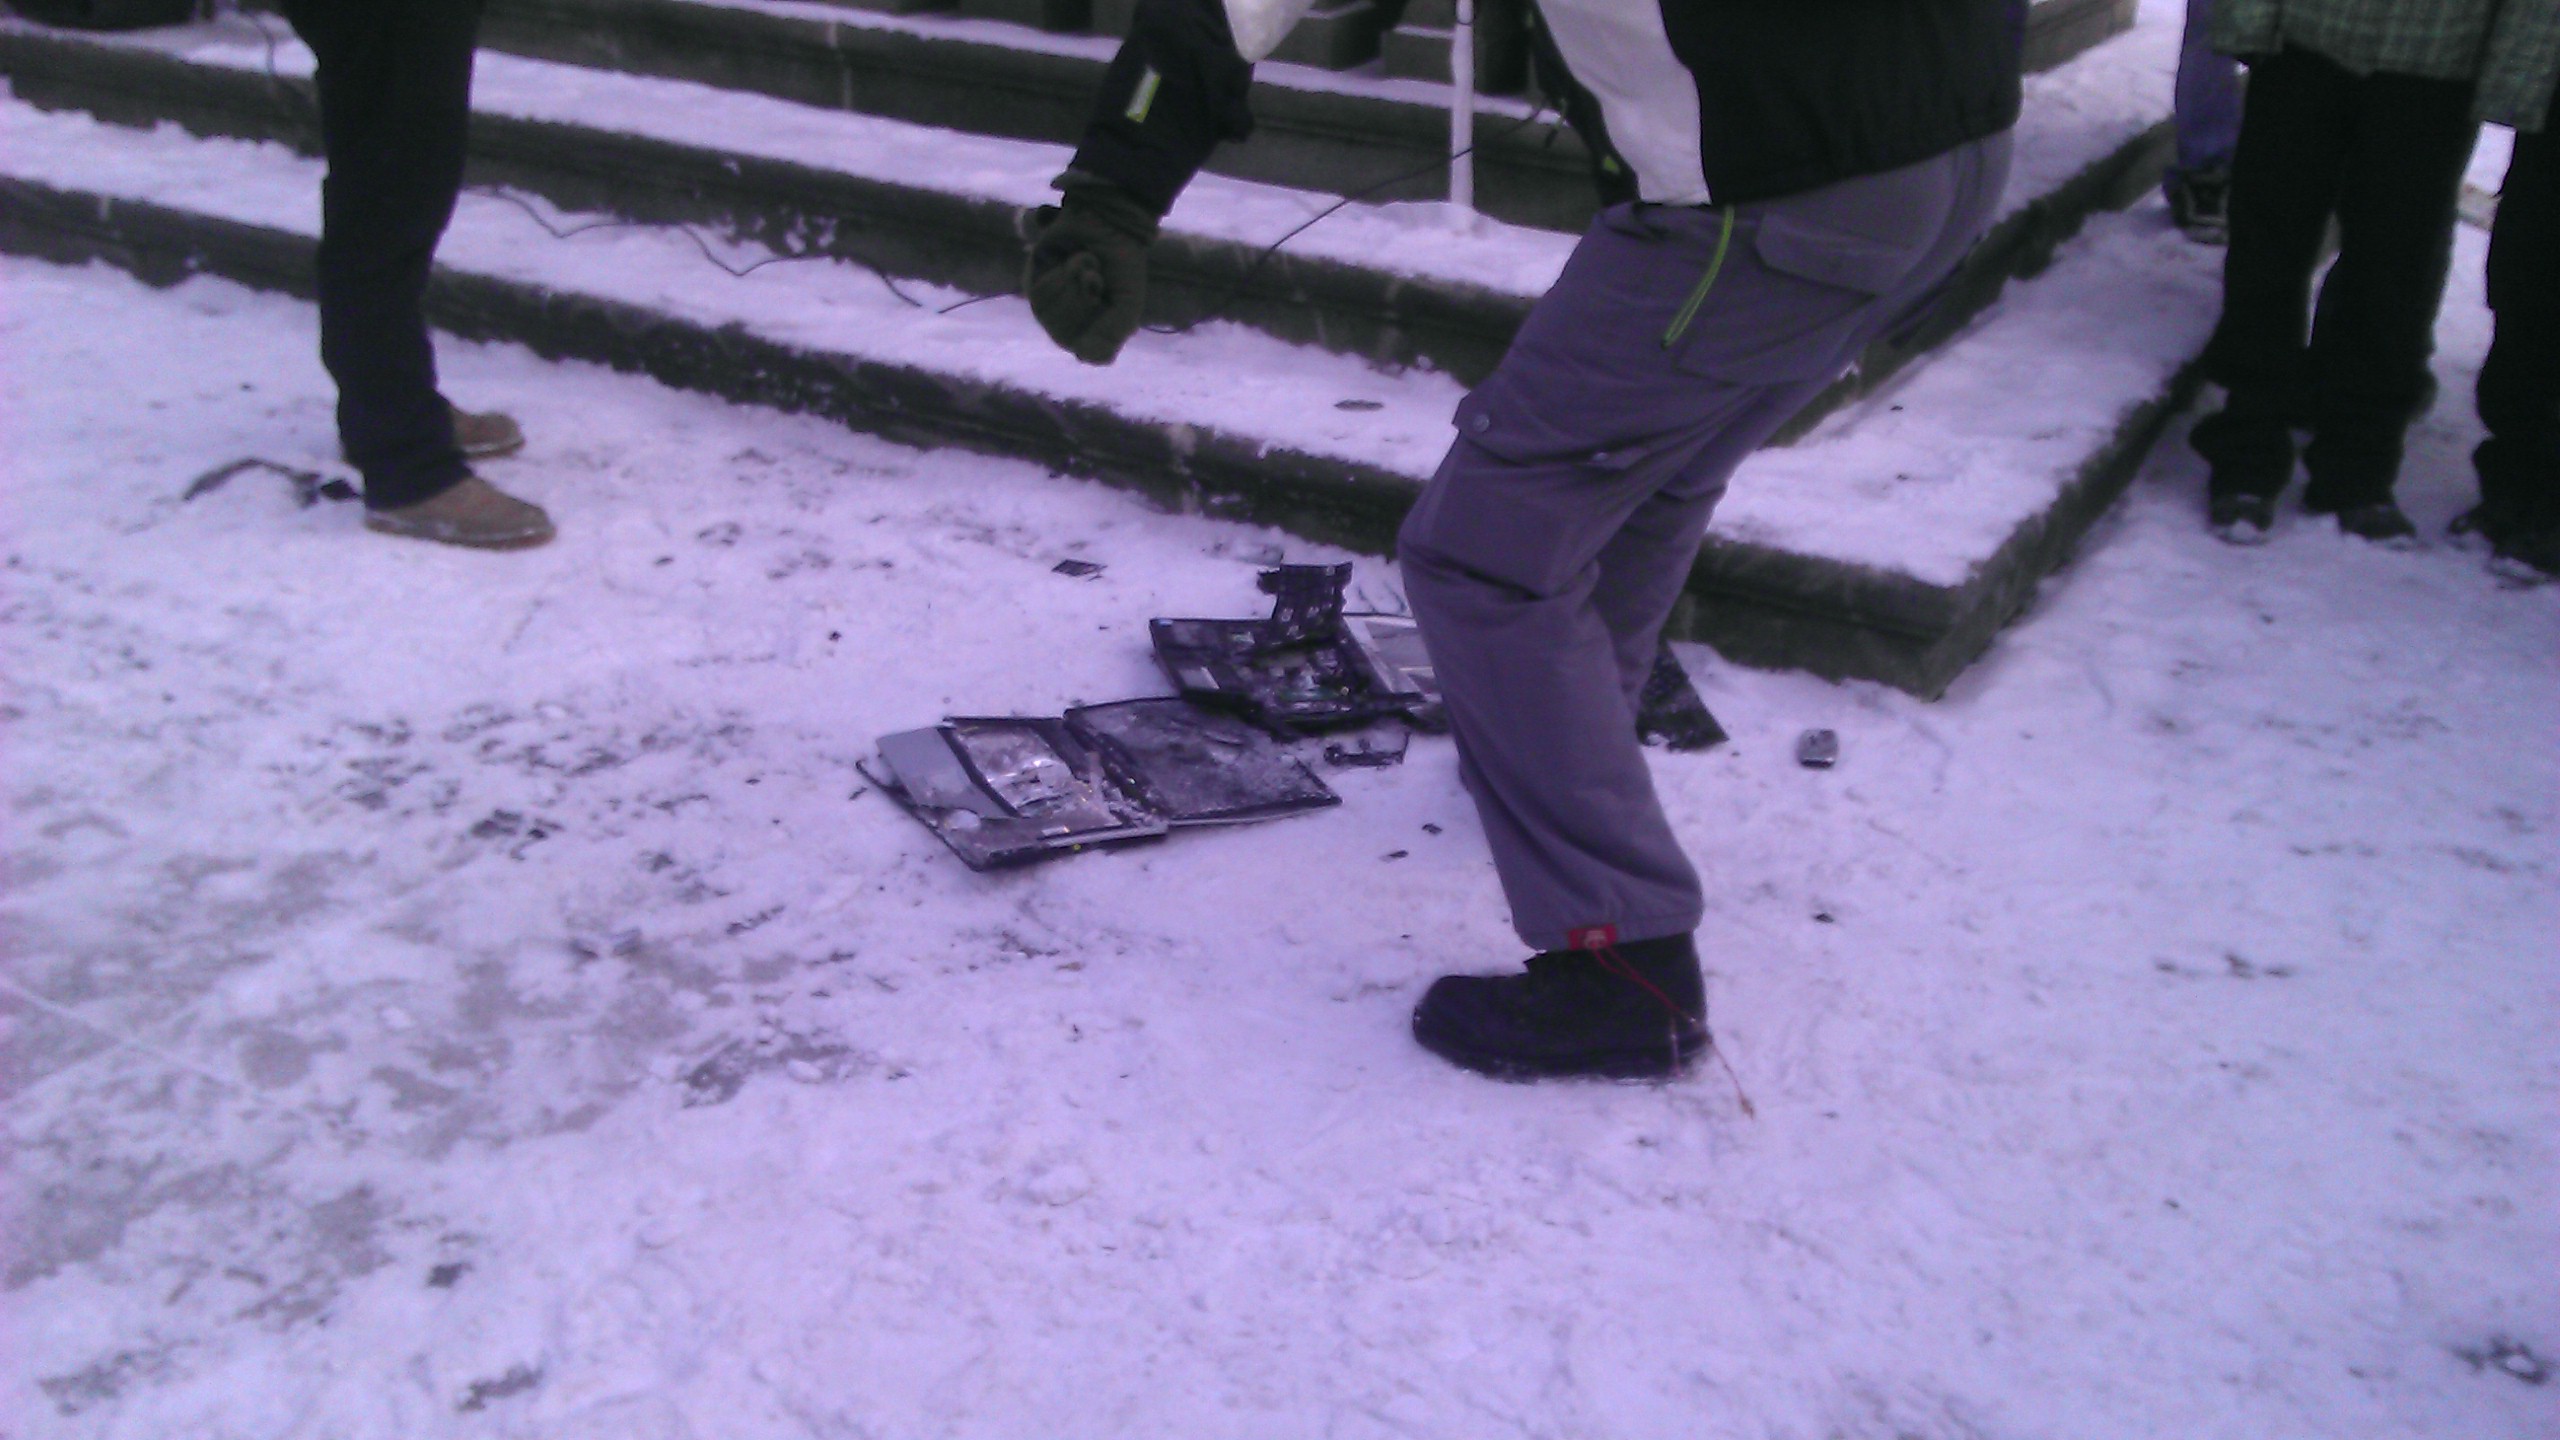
x,y
1372,748
1670,712
1818,749
1306,604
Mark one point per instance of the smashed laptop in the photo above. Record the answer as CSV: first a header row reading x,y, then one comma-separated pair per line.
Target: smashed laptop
x,y
1309,668
1006,791
1012,790
1314,668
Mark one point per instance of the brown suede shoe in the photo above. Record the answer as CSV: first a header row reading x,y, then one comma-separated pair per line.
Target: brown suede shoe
x,y
481,435
473,513
486,435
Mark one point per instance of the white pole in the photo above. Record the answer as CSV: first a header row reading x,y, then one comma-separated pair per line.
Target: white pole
x,y
1462,108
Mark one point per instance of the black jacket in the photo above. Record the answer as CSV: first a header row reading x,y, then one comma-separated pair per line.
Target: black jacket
x,y
1699,101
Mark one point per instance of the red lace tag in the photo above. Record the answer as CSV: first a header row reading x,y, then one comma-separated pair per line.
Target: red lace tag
x,y
1592,937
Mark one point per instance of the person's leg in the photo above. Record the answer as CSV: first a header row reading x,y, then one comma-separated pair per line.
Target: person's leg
x,y
2285,179
2519,394
1501,562
395,95
2206,119
2206,100
1645,567
1538,684
1545,554
2375,324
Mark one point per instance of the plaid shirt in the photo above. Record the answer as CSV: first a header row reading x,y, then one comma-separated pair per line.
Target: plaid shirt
x,y
2511,48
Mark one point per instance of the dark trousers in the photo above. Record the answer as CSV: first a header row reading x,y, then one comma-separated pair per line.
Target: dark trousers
x,y
2384,154
395,109
2520,385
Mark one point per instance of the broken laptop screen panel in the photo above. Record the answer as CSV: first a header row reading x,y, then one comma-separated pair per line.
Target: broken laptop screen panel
x,y
1390,646
1198,767
956,779
1302,688
1042,773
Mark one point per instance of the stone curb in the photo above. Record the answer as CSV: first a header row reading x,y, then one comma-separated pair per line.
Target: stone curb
x,y
1756,605
968,243
1306,138
975,244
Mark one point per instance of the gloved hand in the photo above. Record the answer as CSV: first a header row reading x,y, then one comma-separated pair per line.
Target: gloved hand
x,y
1087,278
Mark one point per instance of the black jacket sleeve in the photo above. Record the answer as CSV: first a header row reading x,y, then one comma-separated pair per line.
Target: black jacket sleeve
x,y
1172,94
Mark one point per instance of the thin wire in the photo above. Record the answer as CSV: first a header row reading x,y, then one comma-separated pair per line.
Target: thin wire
x,y
737,272
293,99
1236,291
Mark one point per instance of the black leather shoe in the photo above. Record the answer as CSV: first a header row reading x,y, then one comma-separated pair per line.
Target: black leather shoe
x,y
2379,521
1635,1011
2240,518
2518,549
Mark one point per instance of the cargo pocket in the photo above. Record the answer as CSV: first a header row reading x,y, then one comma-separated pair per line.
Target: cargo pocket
x,y
1787,301
1527,497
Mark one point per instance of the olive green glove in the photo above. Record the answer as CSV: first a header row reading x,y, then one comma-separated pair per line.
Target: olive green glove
x,y
1087,278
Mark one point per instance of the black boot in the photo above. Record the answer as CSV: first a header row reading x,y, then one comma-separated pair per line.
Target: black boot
x,y
2380,521
2249,445
1627,1012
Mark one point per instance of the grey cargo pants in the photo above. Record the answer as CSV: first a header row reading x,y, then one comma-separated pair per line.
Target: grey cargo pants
x,y
1544,557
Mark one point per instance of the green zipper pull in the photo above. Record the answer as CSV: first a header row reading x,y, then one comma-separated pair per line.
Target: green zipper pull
x,y
1706,282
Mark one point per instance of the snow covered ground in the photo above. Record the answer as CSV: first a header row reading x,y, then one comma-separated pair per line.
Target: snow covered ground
x,y
465,995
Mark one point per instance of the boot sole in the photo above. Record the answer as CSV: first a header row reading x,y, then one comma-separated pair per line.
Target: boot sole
x,y
1651,1062
525,541
498,451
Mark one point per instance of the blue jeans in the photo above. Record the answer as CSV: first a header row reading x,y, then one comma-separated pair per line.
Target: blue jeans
x,y
2207,99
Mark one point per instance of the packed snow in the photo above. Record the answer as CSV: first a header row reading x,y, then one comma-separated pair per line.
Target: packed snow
x,y
446,994
453,994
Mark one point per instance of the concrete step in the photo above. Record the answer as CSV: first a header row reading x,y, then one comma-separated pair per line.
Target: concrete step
x,y
1374,135
2061,30
1381,283
831,183
1314,130
1890,543
2058,31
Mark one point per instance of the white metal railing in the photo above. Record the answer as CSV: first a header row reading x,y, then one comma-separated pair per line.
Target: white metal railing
x,y
1462,107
